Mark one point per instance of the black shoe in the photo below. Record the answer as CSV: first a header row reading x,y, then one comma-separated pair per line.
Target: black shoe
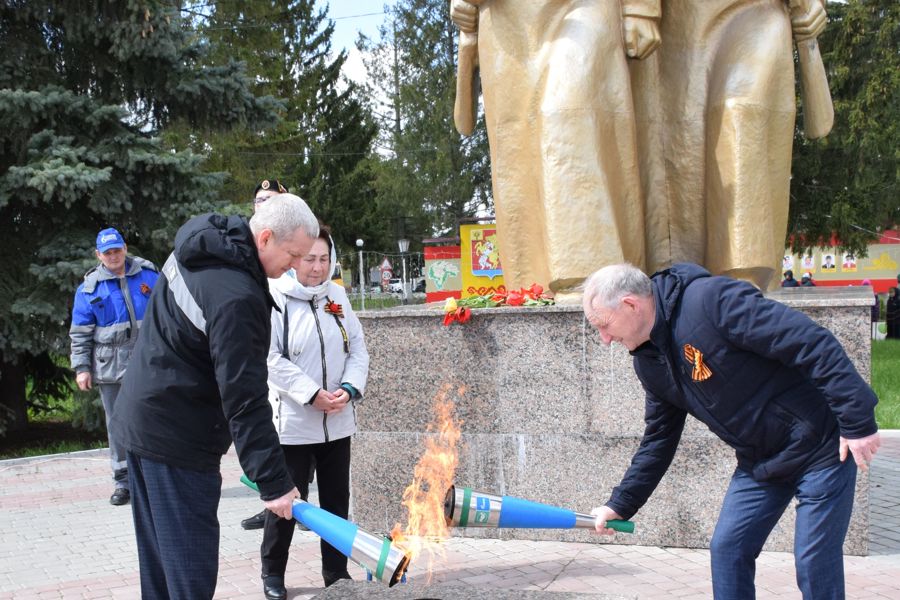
x,y
332,577
119,497
255,522
273,587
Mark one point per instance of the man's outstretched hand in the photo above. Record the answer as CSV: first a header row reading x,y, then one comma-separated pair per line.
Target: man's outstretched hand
x,y
604,514
282,506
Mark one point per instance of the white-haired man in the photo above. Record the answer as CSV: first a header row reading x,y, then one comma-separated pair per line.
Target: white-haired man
x,y
767,380
198,382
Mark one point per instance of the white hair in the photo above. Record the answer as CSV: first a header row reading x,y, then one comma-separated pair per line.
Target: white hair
x,y
609,285
284,214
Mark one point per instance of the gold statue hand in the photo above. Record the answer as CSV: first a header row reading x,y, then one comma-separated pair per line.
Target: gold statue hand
x,y
465,107
808,18
641,36
465,14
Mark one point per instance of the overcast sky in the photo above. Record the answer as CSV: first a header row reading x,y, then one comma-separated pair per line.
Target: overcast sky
x,y
348,22
350,17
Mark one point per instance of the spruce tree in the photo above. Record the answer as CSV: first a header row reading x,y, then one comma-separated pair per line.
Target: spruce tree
x,y
430,173
86,89
849,182
320,147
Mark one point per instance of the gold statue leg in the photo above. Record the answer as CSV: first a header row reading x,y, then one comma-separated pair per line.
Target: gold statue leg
x,y
518,205
560,121
748,141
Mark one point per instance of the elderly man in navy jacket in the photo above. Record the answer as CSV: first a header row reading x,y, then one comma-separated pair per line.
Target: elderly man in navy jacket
x,y
767,380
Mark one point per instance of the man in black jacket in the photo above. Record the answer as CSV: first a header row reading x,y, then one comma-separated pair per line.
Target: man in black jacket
x,y
266,189
789,281
197,382
768,381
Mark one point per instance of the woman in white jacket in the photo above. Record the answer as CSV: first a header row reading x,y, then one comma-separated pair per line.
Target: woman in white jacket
x,y
318,365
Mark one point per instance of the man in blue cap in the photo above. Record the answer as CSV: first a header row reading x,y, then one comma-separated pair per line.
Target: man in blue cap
x,y
106,317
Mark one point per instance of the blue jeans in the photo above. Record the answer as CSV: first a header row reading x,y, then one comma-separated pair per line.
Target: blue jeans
x,y
749,513
176,527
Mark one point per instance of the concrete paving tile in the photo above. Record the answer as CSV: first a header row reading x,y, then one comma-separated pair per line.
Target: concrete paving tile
x,y
84,548
682,592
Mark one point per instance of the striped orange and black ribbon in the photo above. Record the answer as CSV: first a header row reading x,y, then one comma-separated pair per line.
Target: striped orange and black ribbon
x,y
701,372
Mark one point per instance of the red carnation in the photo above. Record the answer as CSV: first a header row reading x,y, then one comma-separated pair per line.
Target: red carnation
x,y
515,298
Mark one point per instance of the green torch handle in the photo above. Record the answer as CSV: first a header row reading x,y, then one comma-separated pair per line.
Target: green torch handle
x,y
586,521
246,481
620,525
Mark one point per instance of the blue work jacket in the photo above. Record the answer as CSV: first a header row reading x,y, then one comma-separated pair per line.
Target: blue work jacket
x,y
106,318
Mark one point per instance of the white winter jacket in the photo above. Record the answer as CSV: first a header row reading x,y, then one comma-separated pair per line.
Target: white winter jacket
x,y
316,350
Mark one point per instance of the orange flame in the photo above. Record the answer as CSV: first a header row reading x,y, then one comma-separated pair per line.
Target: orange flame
x,y
434,474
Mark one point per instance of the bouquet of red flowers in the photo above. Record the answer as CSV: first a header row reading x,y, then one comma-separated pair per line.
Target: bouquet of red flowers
x,y
454,312
459,310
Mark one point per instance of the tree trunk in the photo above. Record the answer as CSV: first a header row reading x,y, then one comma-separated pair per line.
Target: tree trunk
x,y
12,396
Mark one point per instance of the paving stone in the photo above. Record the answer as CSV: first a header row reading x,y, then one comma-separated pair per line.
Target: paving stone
x,y
60,538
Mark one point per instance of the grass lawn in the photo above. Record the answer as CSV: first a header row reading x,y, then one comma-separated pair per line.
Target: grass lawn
x,y
886,382
382,301
71,424
49,437
374,302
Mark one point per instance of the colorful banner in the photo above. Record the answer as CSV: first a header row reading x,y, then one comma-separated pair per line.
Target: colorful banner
x,y
828,267
442,273
482,272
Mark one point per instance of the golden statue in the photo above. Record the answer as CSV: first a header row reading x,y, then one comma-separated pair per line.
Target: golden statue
x,y
560,120
720,103
598,160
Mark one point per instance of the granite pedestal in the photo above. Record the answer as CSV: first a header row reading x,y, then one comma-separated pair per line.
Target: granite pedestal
x,y
550,414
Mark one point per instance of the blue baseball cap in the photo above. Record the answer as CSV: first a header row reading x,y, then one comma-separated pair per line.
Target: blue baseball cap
x,y
109,239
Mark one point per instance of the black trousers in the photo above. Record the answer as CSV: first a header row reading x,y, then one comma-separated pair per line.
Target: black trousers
x,y
893,328
333,476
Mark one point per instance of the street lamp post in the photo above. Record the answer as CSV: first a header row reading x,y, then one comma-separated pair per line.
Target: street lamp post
x,y
362,275
403,244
